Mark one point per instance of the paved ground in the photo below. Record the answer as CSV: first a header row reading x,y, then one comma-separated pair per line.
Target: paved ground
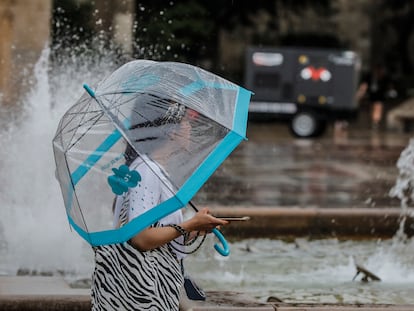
x,y
53,293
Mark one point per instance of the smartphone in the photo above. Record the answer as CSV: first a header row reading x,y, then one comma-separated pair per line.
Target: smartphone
x,y
234,218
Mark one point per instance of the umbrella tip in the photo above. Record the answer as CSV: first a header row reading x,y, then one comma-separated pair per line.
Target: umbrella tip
x,y
89,90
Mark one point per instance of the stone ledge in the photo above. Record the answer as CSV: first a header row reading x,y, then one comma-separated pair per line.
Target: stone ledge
x,y
29,302
345,223
41,293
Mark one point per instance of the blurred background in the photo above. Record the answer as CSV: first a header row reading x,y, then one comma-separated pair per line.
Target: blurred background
x,y
213,35
216,36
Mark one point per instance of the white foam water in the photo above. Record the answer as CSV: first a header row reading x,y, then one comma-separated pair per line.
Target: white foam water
x,y
35,234
320,271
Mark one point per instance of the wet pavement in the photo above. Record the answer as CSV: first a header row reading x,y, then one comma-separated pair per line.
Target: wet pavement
x,y
349,168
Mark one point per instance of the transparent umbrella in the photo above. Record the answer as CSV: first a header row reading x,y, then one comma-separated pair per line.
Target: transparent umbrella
x,y
195,117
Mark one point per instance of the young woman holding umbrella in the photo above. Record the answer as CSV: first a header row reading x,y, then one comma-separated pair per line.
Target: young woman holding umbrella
x,y
137,266
145,273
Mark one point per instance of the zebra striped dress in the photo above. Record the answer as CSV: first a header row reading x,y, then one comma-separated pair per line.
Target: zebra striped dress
x,y
125,278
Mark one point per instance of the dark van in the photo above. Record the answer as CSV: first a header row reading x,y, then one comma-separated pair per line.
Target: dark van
x,y
310,87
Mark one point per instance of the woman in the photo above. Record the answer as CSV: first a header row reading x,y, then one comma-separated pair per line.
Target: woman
x,y
145,272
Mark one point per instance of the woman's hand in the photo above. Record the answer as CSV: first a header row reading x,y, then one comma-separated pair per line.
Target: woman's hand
x,y
151,238
203,221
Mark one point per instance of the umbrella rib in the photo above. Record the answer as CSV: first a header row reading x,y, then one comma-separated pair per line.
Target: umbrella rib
x,y
71,116
89,127
81,213
83,114
80,123
76,198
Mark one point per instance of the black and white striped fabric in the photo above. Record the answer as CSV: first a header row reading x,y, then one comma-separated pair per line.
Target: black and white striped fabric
x,y
128,279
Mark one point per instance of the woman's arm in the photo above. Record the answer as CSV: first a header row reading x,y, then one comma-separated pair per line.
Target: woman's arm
x,y
152,238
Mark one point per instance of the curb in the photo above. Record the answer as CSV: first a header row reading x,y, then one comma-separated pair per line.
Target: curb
x,y
327,307
82,303
232,301
45,303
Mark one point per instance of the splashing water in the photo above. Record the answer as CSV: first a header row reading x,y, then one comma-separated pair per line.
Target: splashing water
x,y
35,234
404,186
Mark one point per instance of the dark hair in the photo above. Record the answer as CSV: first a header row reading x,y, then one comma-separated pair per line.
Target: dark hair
x,y
173,115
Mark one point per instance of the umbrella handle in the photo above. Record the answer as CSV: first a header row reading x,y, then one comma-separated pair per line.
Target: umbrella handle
x,y
225,250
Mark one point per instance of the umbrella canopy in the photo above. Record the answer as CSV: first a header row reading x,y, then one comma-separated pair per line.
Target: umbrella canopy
x,y
193,116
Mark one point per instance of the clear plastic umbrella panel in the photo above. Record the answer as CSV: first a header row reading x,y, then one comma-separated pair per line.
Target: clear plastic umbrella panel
x,y
182,122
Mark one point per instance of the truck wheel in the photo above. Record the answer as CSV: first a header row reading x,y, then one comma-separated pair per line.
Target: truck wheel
x,y
306,124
